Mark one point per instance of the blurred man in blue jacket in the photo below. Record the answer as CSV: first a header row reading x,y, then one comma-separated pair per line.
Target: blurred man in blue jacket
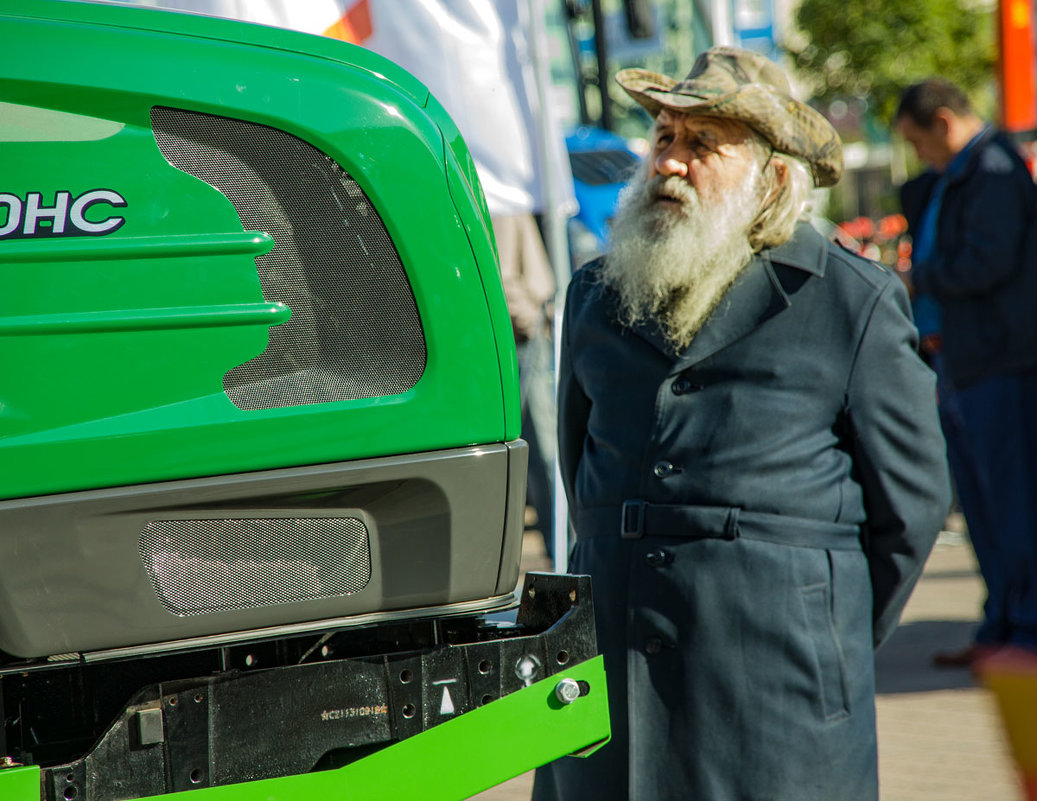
x,y
974,255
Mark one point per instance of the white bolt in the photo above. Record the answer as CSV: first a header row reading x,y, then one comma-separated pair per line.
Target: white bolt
x,y
567,691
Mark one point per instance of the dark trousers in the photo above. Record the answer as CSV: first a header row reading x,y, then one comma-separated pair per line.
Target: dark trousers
x,y
993,453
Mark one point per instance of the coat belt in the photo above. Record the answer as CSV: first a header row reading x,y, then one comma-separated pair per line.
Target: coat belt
x,y
636,519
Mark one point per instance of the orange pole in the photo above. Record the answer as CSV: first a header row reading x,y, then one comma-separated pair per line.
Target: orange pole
x,y
1017,66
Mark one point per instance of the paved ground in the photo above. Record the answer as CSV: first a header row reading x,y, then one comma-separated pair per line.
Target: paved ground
x,y
939,735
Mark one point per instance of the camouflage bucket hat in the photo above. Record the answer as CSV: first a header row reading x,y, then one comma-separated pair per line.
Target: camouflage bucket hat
x,y
742,85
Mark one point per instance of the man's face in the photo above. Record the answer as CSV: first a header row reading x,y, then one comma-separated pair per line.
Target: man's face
x,y
681,234
932,144
713,155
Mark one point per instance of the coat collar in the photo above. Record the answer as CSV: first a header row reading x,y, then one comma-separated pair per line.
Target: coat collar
x,y
756,295
807,250
956,173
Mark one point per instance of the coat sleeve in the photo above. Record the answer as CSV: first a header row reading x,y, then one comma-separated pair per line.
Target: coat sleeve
x,y
573,404
899,455
988,237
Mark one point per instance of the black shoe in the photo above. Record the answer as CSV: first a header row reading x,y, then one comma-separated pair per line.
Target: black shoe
x,y
965,658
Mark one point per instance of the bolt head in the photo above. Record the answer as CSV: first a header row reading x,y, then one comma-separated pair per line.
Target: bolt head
x,y
567,690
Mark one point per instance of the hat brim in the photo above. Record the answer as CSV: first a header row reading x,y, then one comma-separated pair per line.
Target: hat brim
x,y
789,125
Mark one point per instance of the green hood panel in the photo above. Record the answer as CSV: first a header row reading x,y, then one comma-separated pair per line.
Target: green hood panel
x,y
133,288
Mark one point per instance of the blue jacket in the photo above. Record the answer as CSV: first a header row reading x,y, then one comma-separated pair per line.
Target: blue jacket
x,y
983,271
785,478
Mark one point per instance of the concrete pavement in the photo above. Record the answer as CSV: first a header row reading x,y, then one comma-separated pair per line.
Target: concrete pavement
x,y
940,738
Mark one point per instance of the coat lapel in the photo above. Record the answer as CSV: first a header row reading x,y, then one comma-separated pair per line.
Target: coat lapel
x,y
649,330
756,296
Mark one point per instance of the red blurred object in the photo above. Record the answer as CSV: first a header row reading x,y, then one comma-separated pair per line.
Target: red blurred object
x,y
865,227
931,344
1016,65
892,225
1028,150
355,24
860,228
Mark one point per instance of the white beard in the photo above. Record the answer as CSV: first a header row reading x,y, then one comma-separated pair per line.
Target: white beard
x,y
674,265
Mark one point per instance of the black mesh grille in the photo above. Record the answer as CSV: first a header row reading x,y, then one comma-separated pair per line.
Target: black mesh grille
x,y
203,566
354,330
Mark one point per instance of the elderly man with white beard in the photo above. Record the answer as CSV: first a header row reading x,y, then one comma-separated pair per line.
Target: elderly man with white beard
x,y
750,449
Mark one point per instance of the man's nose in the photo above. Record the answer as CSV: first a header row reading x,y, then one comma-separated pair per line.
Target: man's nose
x,y
667,164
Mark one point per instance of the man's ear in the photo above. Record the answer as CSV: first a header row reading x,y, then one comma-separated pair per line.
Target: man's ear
x,y
781,177
943,120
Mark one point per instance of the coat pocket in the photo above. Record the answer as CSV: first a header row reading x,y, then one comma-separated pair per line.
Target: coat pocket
x,y
831,669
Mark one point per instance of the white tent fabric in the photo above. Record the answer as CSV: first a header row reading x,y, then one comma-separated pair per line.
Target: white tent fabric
x,y
474,56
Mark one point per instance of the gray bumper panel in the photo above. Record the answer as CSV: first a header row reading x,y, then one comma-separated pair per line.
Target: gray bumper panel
x,y
146,568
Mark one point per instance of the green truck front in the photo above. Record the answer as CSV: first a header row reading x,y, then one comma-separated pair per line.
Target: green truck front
x,y
258,427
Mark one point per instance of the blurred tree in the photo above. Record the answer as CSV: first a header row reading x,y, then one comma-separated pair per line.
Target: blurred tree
x,y
873,49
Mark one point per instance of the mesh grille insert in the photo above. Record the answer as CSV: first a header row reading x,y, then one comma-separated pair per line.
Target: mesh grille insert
x,y
203,566
355,330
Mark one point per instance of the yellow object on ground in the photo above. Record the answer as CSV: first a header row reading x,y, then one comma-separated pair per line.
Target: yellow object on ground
x,y
1012,676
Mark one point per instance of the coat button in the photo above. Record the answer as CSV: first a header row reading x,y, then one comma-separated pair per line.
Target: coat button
x,y
653,645
656,558
682,386
663,469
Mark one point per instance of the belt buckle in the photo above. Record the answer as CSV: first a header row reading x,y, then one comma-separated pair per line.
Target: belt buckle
x,y
632,522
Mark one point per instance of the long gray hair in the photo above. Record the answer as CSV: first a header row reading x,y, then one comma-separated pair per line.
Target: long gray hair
x,y
776,223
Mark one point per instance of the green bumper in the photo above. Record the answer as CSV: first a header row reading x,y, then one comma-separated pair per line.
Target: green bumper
x,y
452,761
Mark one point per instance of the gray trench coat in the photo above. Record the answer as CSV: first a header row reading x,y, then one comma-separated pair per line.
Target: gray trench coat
x,y
754,513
